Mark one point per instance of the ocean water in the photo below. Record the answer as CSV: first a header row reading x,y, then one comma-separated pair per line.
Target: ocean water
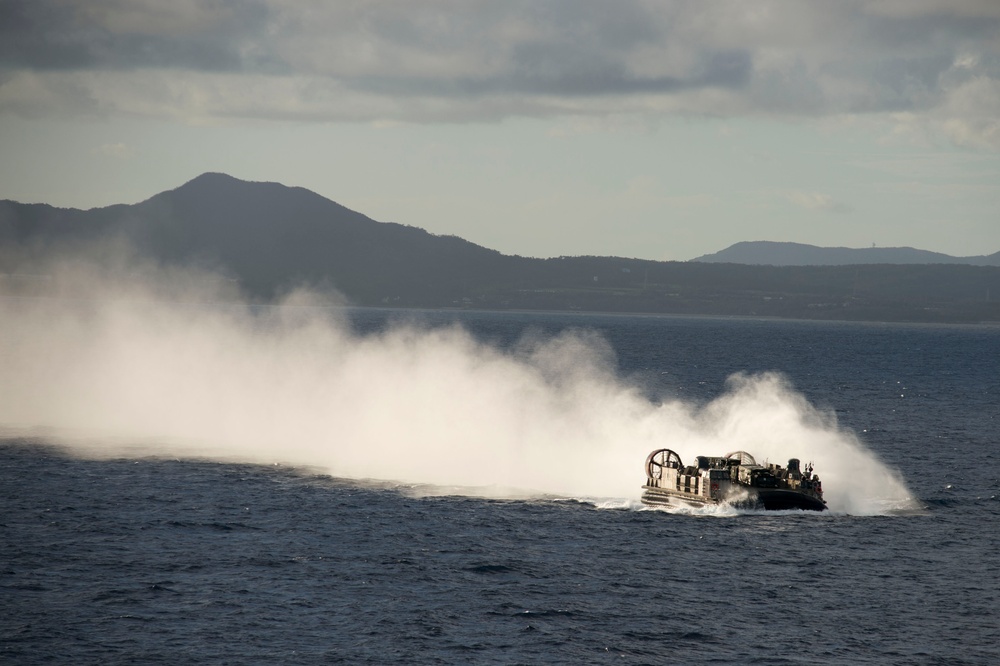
x,y
154,558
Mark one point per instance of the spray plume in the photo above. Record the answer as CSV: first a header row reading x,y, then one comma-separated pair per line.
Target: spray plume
x,y
175,361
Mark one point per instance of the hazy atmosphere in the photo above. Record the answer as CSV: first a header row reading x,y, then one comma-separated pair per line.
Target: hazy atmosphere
x,y
658,130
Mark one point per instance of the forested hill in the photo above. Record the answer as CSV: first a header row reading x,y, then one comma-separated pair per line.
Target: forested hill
x,y
270,237
769,253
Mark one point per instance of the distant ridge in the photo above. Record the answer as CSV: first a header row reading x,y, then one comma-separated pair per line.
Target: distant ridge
x,y
770,253
267,235
269,238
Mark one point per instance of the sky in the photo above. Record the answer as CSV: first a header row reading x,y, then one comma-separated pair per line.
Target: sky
x,y
658,130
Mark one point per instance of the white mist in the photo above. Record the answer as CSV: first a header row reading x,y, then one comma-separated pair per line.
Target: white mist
x,y
152,367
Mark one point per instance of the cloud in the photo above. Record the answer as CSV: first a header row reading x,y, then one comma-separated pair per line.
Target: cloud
x,y
967,111
118,150
970,114
131,34
816,201
477,60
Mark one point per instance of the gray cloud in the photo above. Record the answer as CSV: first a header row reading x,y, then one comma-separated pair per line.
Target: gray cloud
x,y
537,74
447,60
113,34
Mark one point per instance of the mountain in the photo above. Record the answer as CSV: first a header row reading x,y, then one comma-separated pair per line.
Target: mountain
x,y
768,253
270,237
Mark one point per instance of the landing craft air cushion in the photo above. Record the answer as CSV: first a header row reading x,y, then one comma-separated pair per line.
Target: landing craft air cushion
x,y
735,479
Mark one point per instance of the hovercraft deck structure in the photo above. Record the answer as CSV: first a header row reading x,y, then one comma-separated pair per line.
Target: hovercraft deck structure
x,y
735,478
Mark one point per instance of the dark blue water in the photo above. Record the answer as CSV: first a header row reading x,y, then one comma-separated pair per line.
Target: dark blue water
x,y
149,561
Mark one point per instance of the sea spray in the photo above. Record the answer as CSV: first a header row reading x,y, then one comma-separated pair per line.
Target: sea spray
x,y
177,363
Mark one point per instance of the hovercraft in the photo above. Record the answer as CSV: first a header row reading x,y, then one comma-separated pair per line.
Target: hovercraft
x,y
734,479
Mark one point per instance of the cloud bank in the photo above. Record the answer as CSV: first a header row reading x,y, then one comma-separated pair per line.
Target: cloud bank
x,y
932,65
